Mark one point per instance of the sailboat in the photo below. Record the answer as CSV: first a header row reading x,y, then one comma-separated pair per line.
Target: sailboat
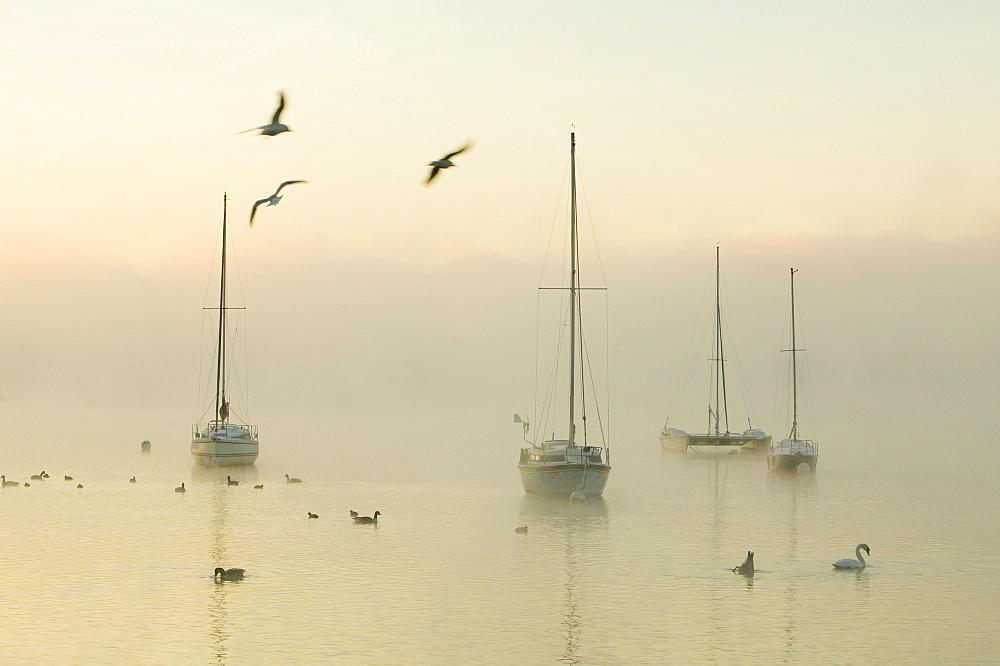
x,y
791,453
570,467
717,433
221,441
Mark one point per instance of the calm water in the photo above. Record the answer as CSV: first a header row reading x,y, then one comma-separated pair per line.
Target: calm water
x,y
122,573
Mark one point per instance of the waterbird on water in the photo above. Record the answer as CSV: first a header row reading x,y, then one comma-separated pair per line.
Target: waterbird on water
x,y
275,126
523,529
310,514
367,520
292,479
353,513
132,480
746,568
259,487
848,563
8,484
79,485
445,162
67,477
180,489
228,574
274,198
230,481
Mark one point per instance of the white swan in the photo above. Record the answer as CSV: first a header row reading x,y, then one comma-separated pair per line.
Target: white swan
x,y
859,563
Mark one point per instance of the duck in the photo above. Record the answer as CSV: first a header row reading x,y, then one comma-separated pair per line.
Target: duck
x,y
45,474
79,485
310,514
354,513
292,479
367,520
259,486
67,477
523,529
27,485
180,489
132,480
848,563
746,568
230,481
4,483
228,574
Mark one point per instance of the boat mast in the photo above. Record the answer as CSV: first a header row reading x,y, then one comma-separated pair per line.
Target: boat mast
x,y
720,356
221,408
795,396
572,290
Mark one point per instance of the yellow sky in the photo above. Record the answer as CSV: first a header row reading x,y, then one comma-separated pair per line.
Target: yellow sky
x,y
859,141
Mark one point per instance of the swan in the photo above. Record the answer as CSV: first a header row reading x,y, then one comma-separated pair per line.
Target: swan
x,y
523,529
228,574
367,520
180,489
745,569
292,479
37,477
231,482
8,484
132,480
859,563
311,514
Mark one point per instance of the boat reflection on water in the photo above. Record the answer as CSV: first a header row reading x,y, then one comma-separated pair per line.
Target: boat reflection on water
x,y
575,524
795,491
220,499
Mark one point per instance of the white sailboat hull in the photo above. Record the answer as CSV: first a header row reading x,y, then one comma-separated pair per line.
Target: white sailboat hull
x,y
751,441
558,469
789,454
564,479
226,445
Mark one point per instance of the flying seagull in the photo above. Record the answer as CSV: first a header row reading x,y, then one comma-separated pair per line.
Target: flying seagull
x,y
274,198
445,162
275,127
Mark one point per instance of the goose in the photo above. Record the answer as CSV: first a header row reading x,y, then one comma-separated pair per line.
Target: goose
x,y
275,127
230,481
445,162
132,480
745,569
180,489
523,529
67,477
310,514
292,479
366,520
353,513
259,487
228,574
8,484
274,199
848,563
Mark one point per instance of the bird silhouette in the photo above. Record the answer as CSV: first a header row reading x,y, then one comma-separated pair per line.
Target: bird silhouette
x,y
273,199
445,162
275,126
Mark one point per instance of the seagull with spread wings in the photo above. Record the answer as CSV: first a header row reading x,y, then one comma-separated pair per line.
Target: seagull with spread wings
x,y
445,162
273,199
276,126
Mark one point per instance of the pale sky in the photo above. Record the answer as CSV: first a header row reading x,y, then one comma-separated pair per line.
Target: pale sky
x,y
858,142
